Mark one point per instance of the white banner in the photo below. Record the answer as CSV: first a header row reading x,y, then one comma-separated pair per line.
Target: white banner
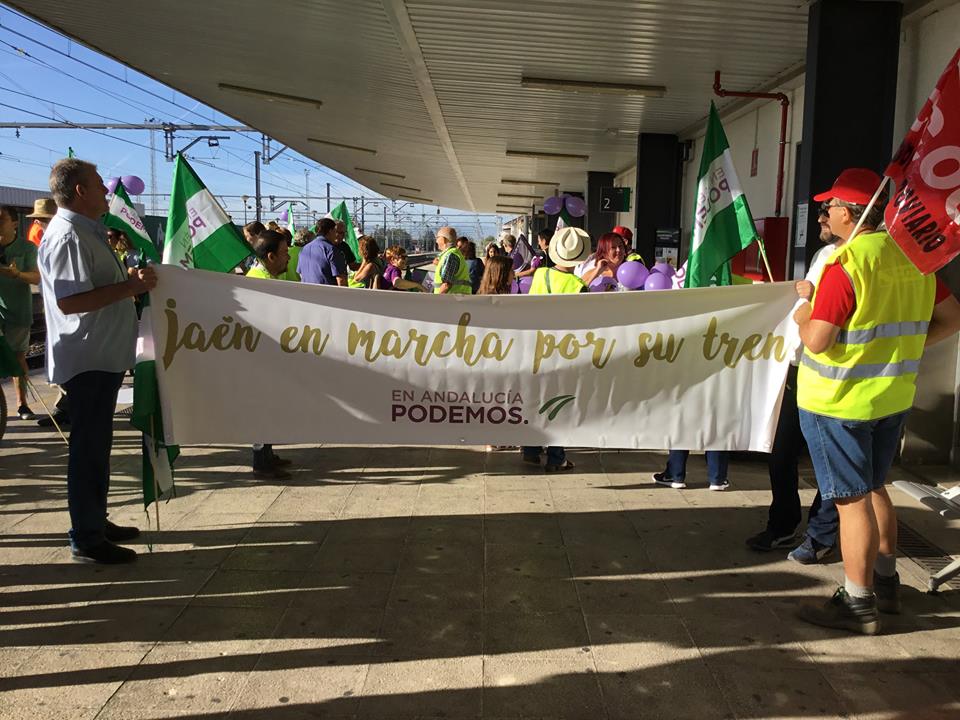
x,y
242,360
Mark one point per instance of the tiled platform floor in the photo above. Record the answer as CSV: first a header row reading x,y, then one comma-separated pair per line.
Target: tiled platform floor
x,y
386,582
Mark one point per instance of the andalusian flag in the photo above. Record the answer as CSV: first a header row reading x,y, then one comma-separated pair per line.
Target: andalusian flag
x,y
290,225
199,233
123,216
722,223
340,213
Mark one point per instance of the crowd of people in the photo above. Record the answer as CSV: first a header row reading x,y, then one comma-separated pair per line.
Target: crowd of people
x,y
865,315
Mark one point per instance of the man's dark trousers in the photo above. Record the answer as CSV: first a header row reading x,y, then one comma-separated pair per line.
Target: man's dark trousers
x,y
92,397
785,513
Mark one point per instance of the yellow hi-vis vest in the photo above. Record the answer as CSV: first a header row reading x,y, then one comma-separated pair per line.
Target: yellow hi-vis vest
x,y
547,281
461,282
870,371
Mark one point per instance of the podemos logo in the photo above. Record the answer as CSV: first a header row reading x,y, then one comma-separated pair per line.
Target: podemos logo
x,y
450,406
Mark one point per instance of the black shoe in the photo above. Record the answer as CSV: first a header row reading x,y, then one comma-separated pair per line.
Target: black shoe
x,y
62,419
106,553
25,413
118,533
887,590
767,540
844,612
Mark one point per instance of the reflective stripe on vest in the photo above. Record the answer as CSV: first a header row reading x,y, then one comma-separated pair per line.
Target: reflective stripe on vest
x,y
886,330
461,281
870,371
859,372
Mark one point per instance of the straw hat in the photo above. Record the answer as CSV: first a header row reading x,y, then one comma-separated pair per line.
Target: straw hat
x,y
43,208
569,247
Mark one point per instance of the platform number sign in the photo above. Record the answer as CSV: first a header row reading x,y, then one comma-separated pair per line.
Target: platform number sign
x,y
614,199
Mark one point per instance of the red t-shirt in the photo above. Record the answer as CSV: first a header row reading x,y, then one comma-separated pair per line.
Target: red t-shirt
x,y
836,301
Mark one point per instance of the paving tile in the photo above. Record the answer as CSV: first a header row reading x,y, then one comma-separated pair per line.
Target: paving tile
x,y
518,501
174,681
353,632
358,557
417,590
523,528
776,692
233,627
309,683
466,530
446,688
328,592
920,695
527,560
643,594
423,633
640,642
92,678
515,593
559,686
442,557
546,634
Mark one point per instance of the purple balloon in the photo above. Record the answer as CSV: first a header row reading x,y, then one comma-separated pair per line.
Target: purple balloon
x,y
133,184
525,283
112,184
632,274
657,281
665,268
602,283
575,206
284,216
552,204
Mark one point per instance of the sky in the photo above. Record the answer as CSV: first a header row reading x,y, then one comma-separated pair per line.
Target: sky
x,y
46,77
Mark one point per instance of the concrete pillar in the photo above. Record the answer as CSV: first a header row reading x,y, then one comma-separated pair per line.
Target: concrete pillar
x,y
659,187
598,222
853,48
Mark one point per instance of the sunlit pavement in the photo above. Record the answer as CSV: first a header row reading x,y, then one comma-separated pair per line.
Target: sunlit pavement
x,y
406,582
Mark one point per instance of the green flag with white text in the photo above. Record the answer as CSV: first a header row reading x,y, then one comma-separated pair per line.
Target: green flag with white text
x,y
123,216
199,233
722,223
340,212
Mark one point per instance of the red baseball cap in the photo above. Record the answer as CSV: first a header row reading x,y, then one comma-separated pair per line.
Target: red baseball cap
x,y
854,185
623,232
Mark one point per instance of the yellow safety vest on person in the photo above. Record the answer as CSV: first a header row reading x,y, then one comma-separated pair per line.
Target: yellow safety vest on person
x,y
461,282
633,255
870,371
547,281
257,270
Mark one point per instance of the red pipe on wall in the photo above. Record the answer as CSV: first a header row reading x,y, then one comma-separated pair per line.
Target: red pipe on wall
x,y
784,104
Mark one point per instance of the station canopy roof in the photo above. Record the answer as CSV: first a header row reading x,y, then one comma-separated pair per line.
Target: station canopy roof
x,y
437,100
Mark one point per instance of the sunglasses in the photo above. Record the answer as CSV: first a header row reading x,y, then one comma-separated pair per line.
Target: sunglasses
x,y
825,207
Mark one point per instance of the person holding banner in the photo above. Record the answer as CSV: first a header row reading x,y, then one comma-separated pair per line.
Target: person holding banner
x,y
569,247
91,336
864,333
273,257
451,274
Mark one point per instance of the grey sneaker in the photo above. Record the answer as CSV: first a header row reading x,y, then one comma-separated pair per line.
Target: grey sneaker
x,y
887,590
809,552
663,480
844,612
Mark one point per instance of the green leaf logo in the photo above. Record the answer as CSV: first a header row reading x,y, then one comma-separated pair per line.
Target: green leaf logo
x,y
555,405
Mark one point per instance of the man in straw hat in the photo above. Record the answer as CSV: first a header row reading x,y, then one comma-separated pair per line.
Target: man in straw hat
x,y
43,211
569,247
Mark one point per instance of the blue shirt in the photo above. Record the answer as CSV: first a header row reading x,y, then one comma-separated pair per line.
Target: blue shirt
x,y
321,262
76,258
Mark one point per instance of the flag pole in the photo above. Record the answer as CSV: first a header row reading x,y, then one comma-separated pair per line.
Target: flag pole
x,y
156,483
873,201
33,391
763,254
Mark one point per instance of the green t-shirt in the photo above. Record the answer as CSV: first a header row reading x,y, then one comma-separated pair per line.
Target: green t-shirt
x,y
16,298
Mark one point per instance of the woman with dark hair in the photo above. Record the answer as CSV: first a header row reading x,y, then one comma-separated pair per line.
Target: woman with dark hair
x,y
610,254
492,250
370,273
474,266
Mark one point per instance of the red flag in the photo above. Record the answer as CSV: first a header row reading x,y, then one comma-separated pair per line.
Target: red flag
x,y
924,217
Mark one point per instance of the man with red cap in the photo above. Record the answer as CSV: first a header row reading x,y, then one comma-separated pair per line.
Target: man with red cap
x,y
872,313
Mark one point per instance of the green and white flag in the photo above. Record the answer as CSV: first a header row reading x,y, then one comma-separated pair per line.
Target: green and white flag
x,y
148,418
340,212
290,225
123,216
199,233
722,223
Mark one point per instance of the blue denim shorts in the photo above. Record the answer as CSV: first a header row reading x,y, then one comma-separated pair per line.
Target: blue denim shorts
x,y
851,457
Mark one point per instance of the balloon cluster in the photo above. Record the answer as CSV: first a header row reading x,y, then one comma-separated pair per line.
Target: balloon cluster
x,y
633,275
131,183
575,206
